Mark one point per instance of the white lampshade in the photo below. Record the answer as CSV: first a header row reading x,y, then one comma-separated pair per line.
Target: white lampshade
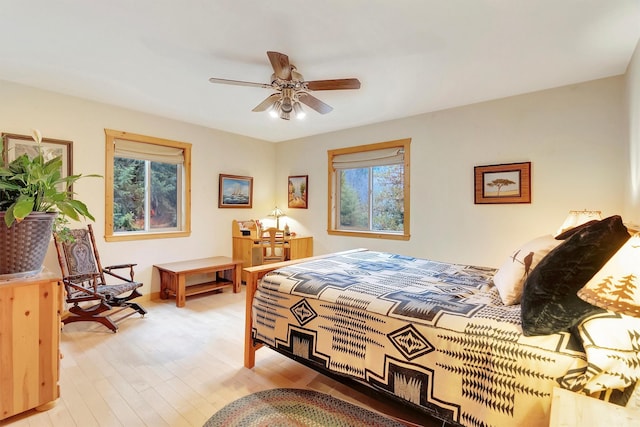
x,y
576,218
616,286
277,213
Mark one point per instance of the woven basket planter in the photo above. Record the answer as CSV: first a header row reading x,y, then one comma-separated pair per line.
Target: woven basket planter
x,y
24,245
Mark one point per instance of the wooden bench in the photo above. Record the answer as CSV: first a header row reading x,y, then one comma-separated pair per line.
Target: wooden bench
x,y
173,277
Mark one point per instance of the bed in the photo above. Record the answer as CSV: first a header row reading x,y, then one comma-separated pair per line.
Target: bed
x,y
438,336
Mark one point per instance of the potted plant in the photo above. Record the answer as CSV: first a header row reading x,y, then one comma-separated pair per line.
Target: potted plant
x,y
35,200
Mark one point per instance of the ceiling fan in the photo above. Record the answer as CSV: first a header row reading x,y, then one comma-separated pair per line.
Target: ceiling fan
x,y
291,89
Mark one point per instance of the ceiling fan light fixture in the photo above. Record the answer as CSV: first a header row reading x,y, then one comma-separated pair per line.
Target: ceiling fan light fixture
x,y
274,111
298,110
287,105
289,86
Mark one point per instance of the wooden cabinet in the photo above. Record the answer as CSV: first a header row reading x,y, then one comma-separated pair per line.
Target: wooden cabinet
x,y
29,343
248,248
300,247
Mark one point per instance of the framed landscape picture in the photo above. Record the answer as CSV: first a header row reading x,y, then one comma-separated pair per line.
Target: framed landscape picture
x,y
298,191
506,183
235,191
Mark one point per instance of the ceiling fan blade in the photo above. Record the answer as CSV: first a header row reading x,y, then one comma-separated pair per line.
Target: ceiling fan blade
x,y
336,84
267,103
238,83
280,63
314,103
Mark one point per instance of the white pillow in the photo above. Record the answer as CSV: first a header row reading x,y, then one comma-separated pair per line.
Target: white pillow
x,y
510,277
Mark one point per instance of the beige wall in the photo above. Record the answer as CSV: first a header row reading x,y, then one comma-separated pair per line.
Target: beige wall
x,y
214,152
632,198
574,137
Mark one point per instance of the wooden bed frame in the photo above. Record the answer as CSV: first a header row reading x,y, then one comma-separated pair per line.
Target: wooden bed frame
x,y
254,274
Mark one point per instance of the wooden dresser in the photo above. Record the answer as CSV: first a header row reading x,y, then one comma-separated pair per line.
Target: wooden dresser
x,y
30,310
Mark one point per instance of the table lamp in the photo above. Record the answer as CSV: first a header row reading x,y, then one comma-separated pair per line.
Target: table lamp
x,y
616,286
277,213
576,218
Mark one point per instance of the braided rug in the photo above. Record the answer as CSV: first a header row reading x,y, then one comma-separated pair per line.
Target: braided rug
x,y
295,407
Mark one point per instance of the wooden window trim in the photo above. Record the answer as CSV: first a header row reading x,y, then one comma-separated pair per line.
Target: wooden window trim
x,y
110,136
331,204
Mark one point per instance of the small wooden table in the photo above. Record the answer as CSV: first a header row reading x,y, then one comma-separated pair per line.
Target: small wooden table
x,y
173,277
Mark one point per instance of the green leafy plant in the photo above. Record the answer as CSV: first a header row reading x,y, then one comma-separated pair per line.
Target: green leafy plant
x,y
36,185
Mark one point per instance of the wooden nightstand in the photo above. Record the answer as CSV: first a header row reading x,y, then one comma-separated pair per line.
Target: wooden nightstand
x,y
573,409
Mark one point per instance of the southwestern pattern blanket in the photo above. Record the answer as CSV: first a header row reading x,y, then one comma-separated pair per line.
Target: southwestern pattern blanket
x,y
438,336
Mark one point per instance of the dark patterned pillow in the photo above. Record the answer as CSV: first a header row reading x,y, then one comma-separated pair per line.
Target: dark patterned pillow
x,y
549,300
570,232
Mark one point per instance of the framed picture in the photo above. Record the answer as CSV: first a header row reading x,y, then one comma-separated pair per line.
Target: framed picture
x,y
13,146
298,191
507,183
235,191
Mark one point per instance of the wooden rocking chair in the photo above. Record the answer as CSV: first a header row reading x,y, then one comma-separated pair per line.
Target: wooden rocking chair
x,y
90,297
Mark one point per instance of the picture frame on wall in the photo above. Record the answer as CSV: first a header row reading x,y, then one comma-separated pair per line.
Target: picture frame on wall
x,y
503,183
14,145
235,191
298,192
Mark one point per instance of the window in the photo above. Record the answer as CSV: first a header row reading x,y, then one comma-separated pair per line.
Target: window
x,y
369,190
148,187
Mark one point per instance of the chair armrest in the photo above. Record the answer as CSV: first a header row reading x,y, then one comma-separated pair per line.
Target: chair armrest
x,y
108,269
71,282
118,266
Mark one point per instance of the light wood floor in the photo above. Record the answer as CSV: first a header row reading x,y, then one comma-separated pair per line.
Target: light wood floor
x,y
174,367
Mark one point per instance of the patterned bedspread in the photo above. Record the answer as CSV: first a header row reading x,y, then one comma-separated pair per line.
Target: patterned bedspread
x,y
434,334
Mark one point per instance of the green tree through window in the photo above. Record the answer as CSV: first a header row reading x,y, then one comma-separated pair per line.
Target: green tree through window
x,y
369,190
149,194
388,198
135,209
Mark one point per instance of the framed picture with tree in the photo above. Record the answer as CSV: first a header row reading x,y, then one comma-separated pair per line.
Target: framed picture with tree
x,y
298,192
505,183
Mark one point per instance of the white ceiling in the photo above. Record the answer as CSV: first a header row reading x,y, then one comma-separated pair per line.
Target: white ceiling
x,y
411,56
